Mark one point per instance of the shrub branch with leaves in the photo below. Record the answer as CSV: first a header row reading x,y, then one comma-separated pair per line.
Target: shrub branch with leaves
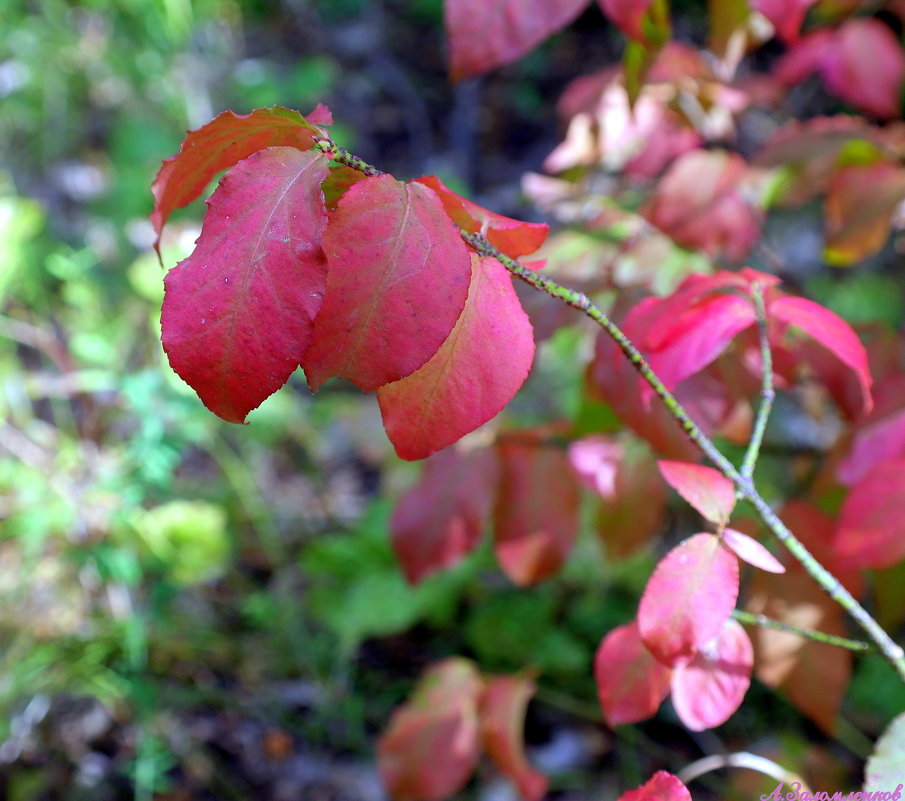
x,y
309,256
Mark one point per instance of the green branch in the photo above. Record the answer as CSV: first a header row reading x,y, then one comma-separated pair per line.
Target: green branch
x,y
743,483
767,392
763,621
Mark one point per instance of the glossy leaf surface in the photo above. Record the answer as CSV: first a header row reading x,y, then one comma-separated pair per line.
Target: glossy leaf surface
x,y
688,598
631,684
474,374
397,279
224,141
237,314
432,743
502,714
441,518
707,689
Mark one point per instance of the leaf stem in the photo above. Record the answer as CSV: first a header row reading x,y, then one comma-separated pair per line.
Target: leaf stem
x,y
767,391
743,483
752,619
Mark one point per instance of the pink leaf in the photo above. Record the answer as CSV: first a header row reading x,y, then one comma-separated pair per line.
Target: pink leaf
x,y
397,279
832,332
871,531
710,687
536,518
875,442
706,489
865,66
751,551
486,34
631,684
431,745
515,238
688,598
224,141
785,15
441,518
804,58
237,314
627,15
502,716
699,204
476,372
662,786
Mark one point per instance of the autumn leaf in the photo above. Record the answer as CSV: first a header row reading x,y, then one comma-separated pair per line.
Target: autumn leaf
x,y
688,598
502,721
631,683
706,489
397,280
662,786
708,688
224,141
470,379
237,314
431,745
486,34
536,517
441,518
514,238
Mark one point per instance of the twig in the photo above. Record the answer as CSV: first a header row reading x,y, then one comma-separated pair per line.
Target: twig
x,y
742,759
763,621
767,392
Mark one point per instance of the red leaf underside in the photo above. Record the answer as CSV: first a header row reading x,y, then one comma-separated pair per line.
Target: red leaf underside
x,y
706,489
237,314
474,374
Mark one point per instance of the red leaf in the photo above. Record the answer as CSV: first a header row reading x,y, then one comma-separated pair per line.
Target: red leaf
x,y
688,598
515,238
860,204
662,786
699,204
631,491
804,58
706,489
875,442
225,140
631,684
441,518
832,332
710,687
871,532
397,280
431,745
751,551
237,314
536,517
627,15
484,35
865,66
476,372
502,716
785,15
